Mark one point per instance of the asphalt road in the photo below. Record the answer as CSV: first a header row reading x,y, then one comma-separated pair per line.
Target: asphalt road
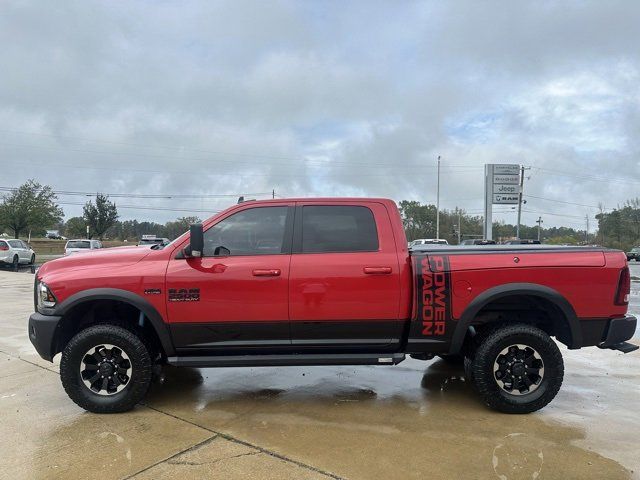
x,y
413,421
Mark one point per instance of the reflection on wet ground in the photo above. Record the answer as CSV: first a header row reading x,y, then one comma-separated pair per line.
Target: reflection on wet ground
x,y
414,420
369,422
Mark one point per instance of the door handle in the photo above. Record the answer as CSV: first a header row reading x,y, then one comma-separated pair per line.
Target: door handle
x,y
377,270
266,272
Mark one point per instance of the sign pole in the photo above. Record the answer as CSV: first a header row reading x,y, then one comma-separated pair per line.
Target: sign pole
x,y
488,202
438,202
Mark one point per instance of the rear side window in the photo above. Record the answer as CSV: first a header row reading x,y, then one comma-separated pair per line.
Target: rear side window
x,y
339,228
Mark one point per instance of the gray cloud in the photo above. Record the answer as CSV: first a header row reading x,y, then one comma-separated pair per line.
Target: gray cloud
x,y
322,98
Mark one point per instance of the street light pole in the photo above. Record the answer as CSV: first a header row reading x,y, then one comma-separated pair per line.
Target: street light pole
x,y
539,222
438,202
522,169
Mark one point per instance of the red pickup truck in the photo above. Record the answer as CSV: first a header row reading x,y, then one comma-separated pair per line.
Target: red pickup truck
x,y
325,282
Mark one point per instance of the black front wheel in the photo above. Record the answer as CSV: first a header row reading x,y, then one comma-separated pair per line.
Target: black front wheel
x,y
517,369
106,369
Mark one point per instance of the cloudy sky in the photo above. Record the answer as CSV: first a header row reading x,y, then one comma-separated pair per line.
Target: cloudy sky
x,y
321,98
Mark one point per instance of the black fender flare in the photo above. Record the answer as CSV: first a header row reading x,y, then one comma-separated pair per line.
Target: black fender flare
x,y
509,289
125,296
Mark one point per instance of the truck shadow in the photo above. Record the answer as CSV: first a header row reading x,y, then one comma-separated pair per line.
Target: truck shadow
x,y
404,421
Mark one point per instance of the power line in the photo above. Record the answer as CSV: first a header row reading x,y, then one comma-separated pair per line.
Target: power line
x,y
159,209
147,196
598,178
306,160
561,201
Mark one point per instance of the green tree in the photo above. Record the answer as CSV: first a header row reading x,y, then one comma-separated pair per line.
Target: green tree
x,y
31,206
100,216
173,230
75,227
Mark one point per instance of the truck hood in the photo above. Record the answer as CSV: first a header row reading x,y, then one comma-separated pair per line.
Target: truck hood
x,y
107,257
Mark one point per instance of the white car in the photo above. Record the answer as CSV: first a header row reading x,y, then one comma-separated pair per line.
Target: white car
x,y
81,245
428,241
149,242
15,252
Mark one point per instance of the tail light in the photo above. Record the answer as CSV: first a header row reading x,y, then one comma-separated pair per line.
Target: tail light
x,y
624,287
4,247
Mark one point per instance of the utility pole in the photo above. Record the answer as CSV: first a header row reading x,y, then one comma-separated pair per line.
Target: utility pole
x,y
459,225
438,202
273,193
539,222
522,169
586,232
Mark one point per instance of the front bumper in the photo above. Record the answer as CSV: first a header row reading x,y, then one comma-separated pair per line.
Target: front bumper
x,y
42,333
619,331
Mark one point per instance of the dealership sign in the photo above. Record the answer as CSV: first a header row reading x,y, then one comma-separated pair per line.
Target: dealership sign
x,y
501,187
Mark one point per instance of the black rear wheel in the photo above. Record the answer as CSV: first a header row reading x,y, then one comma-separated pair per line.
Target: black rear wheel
x,y
33,259
517,368
106,369
16,262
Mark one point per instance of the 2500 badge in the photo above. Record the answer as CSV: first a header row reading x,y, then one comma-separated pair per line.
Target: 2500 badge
x,y
184,294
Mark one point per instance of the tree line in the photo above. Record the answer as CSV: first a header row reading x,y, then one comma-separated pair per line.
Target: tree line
x,y
32,208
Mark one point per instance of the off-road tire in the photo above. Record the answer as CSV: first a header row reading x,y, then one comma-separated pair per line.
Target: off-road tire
x,y
131,344
481,367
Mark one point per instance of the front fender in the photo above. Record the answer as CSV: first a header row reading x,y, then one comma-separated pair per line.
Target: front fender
x,y
124,296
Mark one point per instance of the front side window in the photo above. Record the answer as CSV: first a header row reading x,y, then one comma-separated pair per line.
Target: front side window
x,y
339,228
255,231
15,243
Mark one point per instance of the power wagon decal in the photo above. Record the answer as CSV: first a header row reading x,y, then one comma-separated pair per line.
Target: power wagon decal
x,y
432,322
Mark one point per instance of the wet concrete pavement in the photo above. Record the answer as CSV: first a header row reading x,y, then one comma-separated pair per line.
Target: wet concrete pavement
x,y
414,420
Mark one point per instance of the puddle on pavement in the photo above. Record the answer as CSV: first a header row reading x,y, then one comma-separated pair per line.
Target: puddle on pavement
x,y
409,421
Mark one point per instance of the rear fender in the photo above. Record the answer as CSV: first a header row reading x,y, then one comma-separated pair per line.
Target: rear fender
x,y
512,289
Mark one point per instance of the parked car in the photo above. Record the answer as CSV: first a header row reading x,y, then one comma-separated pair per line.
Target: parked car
x,y
634,254
428,241
150,242
326,282
477,241
521,241
15,252
81,245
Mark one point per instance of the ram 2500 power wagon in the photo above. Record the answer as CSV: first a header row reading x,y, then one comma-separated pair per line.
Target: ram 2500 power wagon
x,y
325,282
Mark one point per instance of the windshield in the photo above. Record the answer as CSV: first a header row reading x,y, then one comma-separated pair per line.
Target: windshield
x,y
78,244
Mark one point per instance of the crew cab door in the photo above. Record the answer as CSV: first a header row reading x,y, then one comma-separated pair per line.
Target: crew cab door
x,y
344,280
236,300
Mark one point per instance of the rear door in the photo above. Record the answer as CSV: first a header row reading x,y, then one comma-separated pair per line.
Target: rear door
x,y
344,287
18,249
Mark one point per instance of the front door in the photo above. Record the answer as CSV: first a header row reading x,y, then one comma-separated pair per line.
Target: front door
x,y
238,301
345,278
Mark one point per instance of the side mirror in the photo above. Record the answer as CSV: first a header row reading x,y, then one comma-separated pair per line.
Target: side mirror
x,y
221,252
196,241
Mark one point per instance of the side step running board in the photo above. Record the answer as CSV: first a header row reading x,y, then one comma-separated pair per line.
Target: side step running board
x,y
284,360
624,347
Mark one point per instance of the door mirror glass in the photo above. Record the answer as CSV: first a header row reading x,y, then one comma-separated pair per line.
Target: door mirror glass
x,y
196,241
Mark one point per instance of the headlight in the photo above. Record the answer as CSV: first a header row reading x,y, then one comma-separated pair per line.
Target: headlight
x,y
45,297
